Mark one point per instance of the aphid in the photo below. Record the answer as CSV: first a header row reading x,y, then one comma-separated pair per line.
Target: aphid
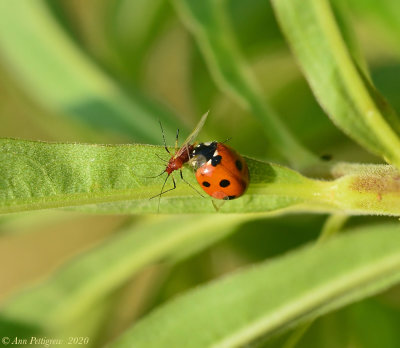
x,y
220,171
181,156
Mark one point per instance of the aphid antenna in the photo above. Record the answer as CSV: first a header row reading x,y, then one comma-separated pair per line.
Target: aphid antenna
x,y
163,135
176,140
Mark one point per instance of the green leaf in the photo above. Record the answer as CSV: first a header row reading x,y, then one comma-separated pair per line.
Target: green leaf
x,y
338,83
88,278
232,74
53,70
275,295
38,175
115,179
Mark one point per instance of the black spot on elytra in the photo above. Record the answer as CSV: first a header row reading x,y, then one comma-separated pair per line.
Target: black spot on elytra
x,y
216,160
224,183
228,198
239,165
206,184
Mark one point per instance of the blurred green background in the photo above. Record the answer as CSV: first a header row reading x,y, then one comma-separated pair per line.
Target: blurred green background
x,y
105,71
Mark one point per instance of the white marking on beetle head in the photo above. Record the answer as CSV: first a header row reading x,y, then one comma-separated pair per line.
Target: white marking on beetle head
x,y
197,161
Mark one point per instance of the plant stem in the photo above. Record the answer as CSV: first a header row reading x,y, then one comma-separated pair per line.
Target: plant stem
x,y
332,225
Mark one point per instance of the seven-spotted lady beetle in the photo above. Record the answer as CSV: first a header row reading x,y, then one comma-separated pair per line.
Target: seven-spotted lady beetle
x,y
220,171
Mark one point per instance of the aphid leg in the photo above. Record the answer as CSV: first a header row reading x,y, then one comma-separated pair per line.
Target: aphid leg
x,y
189,183
163,135
176,140
162,159
162,191
173,188
162,188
